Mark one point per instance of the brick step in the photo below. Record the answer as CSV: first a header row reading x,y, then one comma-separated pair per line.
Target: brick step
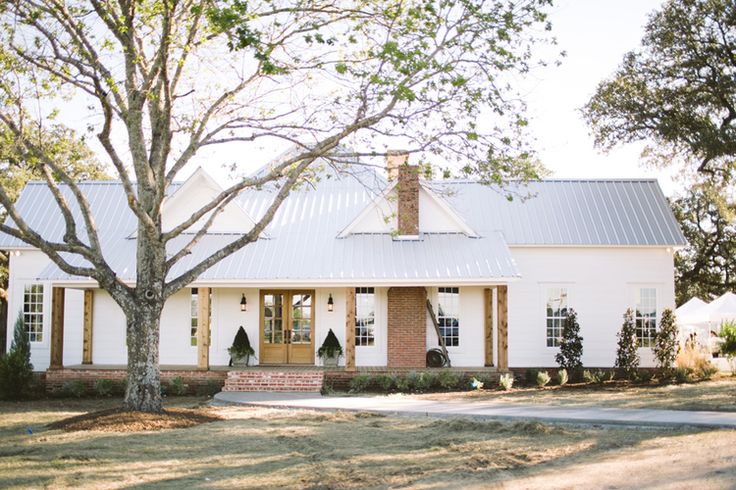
x,y
305,381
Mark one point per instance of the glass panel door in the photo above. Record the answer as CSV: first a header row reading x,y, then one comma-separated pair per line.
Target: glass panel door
x,y
273,318
301,319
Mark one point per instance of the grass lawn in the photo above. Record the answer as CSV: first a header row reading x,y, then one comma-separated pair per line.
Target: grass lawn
x,y
265,448
718,395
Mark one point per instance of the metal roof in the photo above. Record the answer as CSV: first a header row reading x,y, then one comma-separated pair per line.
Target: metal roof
x,y
618,212
302,243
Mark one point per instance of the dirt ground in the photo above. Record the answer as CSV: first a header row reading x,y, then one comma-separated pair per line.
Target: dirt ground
x,y
265,448
718,395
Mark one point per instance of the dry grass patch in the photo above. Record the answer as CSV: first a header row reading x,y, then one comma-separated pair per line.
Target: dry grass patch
x,y
268,448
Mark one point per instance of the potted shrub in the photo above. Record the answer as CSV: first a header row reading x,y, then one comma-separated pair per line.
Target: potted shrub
x,y
330,351
241,349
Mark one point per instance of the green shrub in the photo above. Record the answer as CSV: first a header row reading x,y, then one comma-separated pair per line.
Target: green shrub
x,y
542,379
104,387
449,379
596,377
506,381
562,377
413,379
727,334
178,387
425,381
241,347
359,383
74,388
404,383
665,343
571,343
384,381
16,370
627,354
645,375
682,374
330,347
530,376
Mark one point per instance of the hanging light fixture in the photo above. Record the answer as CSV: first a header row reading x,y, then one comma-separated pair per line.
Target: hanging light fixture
x,y
330,303
243,303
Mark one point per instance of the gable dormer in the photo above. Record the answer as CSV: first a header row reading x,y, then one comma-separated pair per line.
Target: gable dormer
x,y
408,207
198,190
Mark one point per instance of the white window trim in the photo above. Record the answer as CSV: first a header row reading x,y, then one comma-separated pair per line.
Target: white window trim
x,y
376,320
46,323
634,298
543,287
436,307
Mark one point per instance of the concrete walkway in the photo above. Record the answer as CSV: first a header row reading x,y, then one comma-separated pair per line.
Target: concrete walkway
x,y
406,405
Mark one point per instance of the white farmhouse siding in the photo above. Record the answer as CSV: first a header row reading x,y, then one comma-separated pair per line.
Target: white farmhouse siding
x,y
25,269
471,349
108,331
601,284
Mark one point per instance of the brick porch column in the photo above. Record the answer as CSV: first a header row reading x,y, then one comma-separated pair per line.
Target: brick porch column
x,y
407,327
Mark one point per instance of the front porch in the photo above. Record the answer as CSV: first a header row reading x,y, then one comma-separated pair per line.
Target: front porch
x,y
288,326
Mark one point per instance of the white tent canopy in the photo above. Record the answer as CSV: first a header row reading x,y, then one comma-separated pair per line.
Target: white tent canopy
x,y
722,309
692,312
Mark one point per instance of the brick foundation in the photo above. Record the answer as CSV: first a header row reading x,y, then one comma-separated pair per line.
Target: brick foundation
x,y
407,327
198,381
275,380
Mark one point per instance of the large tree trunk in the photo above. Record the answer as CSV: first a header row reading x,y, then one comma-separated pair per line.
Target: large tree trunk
x,y
143,392
143,317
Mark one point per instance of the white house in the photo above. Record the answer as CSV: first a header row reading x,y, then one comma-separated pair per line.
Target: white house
x,y
360,255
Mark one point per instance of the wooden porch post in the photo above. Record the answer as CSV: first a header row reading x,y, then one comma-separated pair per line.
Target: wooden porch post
x,y
488,325
57,328
87,323
503,327
350,329
203,328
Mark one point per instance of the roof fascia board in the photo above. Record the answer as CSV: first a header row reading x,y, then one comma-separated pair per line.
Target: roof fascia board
x,y
348,230
445,206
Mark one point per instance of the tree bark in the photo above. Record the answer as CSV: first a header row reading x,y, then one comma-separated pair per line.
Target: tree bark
x,y
143,392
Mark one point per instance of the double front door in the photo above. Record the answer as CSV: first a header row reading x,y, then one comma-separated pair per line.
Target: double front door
x,y
287,327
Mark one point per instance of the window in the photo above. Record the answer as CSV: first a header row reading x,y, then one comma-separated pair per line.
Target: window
x,y
556,311
645,317
194,316
365,316
448,315
33,311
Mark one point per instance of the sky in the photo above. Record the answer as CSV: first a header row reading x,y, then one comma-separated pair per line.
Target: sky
x,y
595,34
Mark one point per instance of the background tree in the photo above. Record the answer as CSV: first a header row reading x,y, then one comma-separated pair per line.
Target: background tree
x,y
570,356
706,267
165,79
17,167
665,342
678,91
627,353
16,370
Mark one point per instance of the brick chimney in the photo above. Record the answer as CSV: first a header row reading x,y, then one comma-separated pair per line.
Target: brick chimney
x,y
395,159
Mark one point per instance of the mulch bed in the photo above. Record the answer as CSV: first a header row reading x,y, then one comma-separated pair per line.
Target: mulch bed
x,y
119,420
